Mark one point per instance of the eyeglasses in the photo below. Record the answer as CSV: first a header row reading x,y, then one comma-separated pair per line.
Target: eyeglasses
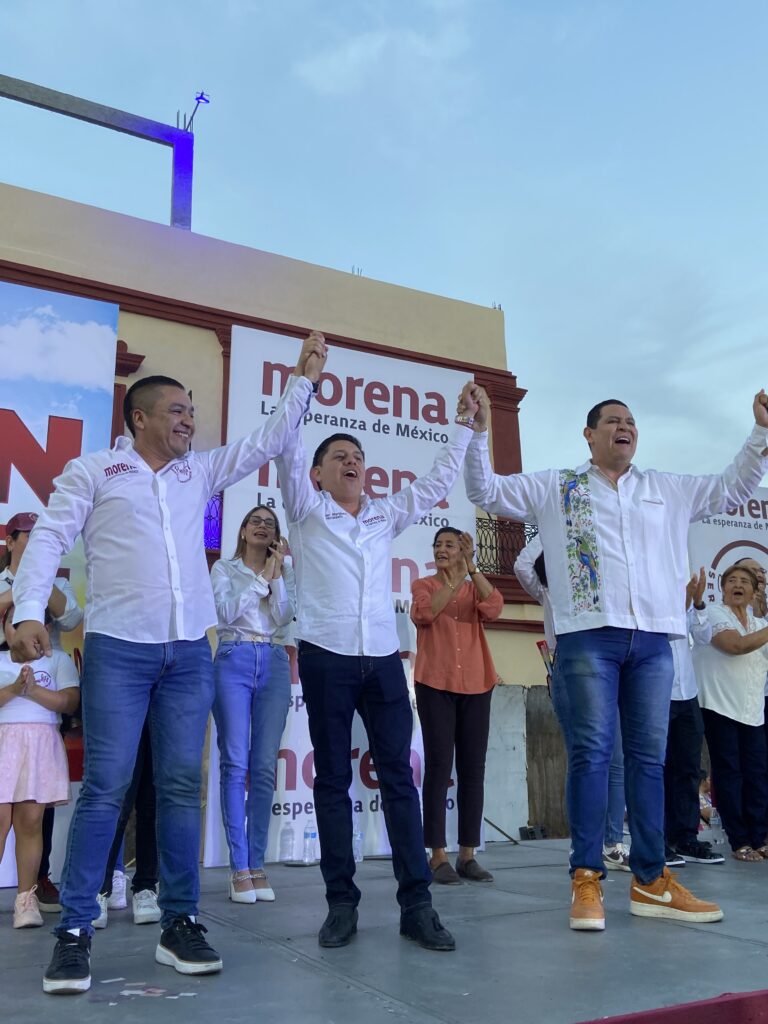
x,y
260,521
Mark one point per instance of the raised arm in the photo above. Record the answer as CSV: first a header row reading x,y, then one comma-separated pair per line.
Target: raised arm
x,y
232,462
502,495
737,483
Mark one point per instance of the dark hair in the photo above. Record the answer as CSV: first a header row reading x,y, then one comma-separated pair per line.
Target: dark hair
x,y
323,447
148,384
241,540
446,529
748,558
740,568
540,568
5,557
593,416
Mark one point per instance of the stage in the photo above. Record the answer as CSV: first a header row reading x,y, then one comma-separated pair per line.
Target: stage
x,y
516,959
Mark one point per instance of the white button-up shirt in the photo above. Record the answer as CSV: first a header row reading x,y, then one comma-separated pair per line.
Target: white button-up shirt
x,y
246,603
148,579
615,555
732,684
343,562
72,615
684,686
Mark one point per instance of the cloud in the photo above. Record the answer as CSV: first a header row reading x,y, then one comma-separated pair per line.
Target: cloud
x,y
351,64
57,351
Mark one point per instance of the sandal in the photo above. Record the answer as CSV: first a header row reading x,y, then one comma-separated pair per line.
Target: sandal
x,y
763,851
746,853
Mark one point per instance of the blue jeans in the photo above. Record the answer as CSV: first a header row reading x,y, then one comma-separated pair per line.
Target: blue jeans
x,y
253,692
122,683
601,670
334,687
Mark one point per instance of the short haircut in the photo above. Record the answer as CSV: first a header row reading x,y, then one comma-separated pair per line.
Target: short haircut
x,y
593,416
748,558
142,395
540,568
446,529
740,568
323,447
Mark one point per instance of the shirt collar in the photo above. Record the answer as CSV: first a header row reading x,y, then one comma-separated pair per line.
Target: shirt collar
x,y
585,467
125,445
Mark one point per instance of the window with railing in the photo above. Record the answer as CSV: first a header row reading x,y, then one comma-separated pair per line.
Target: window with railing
x,y
499,542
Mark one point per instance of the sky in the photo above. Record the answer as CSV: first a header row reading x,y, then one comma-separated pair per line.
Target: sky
x,y
597,168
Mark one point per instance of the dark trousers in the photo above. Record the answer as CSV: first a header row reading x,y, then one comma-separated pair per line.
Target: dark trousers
x,y
453,721
141,795
738,756
45,859
681,772
334,687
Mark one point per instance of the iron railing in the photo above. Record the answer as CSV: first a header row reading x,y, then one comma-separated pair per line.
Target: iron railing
x,y
499,542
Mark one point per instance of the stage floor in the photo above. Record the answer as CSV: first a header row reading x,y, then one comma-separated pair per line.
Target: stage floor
x,y
516,959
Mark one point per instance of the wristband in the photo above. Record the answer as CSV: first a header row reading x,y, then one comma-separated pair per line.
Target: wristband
x,y
475,572
465,421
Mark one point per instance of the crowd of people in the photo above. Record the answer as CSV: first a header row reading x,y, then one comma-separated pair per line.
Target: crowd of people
x,y
609,566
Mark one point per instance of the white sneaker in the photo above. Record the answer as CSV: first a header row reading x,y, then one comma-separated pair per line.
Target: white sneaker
x,y
103,919
117,900
145,908
616,857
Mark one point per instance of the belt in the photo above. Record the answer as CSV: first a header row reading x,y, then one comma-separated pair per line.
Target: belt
x,y
247,638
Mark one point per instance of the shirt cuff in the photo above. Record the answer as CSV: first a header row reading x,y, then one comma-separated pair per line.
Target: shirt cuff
x,y
759,437
28,610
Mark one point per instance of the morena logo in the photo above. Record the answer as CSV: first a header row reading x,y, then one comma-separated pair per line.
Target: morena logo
x,y
117,468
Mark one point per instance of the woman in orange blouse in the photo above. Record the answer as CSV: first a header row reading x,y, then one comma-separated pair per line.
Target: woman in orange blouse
x,y
454,682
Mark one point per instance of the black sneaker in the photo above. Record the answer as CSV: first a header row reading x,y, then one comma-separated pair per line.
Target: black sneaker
x,y
698,852
183,947
673,859
424,926
70,967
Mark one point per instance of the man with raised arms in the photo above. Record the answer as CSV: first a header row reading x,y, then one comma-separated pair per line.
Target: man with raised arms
x,y
140,508
615,543
349,660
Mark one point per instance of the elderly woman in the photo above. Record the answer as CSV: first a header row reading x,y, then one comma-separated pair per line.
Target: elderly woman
x,y
454,682
731,676
255,598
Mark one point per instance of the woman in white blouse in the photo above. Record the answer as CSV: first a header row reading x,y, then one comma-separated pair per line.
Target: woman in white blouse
x,y
731,675
255,599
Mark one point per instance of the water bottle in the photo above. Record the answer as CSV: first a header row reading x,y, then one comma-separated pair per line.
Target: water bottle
x,y
310,841
287,843
357,843
716,827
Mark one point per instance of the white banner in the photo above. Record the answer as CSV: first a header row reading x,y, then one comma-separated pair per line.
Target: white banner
x,y
56,393
402,414
719,541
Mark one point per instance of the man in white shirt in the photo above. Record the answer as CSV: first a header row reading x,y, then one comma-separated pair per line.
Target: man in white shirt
x,y
682,765
615,542
349,660
140,508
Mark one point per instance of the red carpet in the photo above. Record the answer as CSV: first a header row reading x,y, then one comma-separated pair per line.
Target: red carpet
x,y
738,1008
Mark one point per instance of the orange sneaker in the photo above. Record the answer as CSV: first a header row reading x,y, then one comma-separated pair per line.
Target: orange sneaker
x,y
667,898
587,914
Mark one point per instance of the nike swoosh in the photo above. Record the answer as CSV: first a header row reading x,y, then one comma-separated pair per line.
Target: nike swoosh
x,y
666,897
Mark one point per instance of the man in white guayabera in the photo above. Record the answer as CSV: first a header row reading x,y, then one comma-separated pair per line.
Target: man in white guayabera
x,y
140,509
615,543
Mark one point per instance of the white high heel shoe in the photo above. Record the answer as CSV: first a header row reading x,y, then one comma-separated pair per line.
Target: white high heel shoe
x,y
247,895
265,894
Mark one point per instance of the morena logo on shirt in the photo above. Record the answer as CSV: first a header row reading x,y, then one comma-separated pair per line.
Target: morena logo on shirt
x,y
42,678
119,467
376,518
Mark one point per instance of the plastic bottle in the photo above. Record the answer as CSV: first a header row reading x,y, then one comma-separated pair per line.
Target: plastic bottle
x,y
716,827
358,839
287,843
310,841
